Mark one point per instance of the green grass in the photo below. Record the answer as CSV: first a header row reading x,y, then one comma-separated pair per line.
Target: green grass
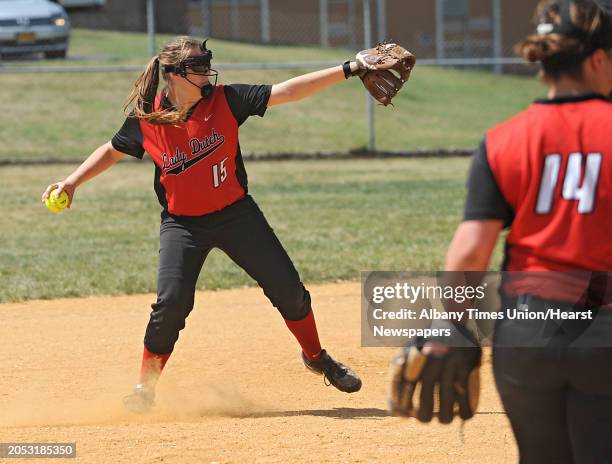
x,y
127,47
68,115
108,47
334,218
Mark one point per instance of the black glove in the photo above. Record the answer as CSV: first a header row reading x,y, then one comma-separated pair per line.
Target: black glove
x,y
445,381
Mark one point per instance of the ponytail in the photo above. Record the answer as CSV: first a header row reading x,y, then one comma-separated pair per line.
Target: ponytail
x,y
143,96
145,89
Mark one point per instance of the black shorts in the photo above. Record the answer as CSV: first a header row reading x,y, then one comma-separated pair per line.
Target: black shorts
x,y
242,232
557,392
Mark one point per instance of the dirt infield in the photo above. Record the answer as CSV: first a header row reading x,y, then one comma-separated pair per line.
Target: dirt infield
x,y
233,391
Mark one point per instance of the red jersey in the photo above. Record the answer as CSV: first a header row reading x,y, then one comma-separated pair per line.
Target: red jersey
x,y
552,169
199,166
197,159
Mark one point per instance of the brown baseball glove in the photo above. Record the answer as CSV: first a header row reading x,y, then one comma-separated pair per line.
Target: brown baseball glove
x,y
442,382
384,69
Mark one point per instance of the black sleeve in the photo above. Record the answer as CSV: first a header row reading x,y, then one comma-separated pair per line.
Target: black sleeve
x,y
247,100
129,138
484,198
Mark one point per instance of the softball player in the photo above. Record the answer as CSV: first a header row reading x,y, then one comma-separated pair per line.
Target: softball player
x,y
547,175
190,130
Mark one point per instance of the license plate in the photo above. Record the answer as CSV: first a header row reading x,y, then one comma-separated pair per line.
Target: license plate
x,y
25,37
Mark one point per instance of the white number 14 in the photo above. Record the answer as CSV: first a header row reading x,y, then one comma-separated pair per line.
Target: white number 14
x,y
585,194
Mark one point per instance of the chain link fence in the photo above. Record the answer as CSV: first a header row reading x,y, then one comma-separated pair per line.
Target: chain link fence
x,y
267,41
437,31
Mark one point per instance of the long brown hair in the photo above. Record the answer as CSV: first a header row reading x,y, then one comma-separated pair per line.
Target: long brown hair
x,y
145,87
562,53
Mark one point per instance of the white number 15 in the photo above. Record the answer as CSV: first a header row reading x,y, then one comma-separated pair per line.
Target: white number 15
x,y
219,173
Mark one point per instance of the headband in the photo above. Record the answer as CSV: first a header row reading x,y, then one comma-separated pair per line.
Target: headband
x,y
601,38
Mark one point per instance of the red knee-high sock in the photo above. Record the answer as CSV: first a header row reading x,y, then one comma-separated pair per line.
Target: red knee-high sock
x,y
152,366
305,331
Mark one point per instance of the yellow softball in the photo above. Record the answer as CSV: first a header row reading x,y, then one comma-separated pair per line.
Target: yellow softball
x,y
55,204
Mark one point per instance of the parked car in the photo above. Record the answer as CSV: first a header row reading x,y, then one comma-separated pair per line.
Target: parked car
x,y
81,3
33,26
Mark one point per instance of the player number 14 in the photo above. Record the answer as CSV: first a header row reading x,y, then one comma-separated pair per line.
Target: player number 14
x,y
219,173
572,190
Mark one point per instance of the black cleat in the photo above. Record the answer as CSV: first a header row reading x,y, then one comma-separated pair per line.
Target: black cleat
x,y
334,372
141,400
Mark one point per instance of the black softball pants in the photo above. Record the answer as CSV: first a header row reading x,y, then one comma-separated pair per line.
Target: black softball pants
x,y
555,382
242,232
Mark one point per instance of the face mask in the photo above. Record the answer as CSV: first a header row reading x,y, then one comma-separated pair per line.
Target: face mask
x,y
196,65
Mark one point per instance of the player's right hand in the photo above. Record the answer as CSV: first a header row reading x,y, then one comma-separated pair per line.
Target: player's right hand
x,y
62,186
437,378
